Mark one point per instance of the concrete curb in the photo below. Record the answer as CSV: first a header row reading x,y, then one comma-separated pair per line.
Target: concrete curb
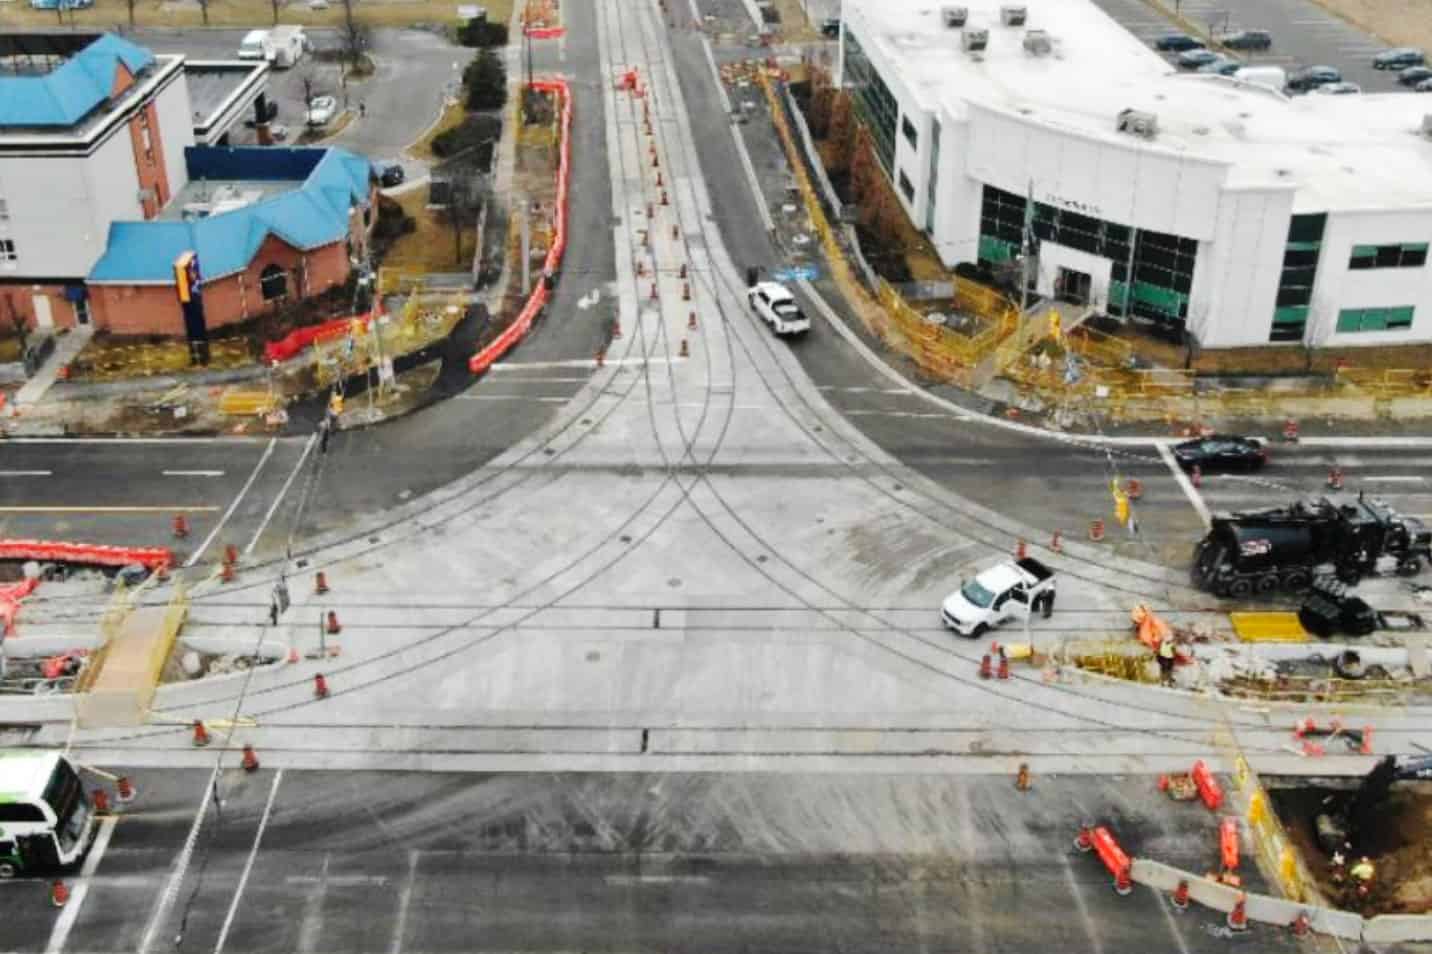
x,y
1381,929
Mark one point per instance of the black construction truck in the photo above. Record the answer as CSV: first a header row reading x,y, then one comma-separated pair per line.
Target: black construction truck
x,y
1281,548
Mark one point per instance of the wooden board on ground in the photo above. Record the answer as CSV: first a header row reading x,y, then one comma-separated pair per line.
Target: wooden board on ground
x,y
120,692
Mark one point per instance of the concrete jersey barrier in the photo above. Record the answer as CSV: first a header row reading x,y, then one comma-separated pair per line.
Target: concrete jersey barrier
x,y
1384,928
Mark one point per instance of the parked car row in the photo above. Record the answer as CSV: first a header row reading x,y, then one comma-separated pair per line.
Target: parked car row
x,y
1193,54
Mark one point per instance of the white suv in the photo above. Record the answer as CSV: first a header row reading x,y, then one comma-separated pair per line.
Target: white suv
x,y
777,307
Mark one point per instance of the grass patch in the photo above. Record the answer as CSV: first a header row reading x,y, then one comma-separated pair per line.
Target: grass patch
x,y
148,13
451,118
429,246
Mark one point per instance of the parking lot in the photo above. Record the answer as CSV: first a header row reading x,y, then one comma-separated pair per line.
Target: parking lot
x,y
1303,34
415,70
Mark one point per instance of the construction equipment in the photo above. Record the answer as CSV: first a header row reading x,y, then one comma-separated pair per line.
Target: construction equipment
x,y
1261,551
1347,820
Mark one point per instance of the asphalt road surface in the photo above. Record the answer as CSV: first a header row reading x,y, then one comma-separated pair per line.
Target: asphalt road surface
x,y
359,862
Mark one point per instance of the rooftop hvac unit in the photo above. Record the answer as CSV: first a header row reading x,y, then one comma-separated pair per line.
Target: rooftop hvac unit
x,y
954,16
1013,16
974,41
1037,42
1136,122
1427,125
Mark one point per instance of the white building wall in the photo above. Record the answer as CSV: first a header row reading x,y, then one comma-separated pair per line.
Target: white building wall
x,y
1235,285
957,196
1339,286
176,131
60,208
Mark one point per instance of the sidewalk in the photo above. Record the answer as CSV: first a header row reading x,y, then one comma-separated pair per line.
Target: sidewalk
x,y
67,347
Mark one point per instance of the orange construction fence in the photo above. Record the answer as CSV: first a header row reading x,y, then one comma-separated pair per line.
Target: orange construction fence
x,y
515,332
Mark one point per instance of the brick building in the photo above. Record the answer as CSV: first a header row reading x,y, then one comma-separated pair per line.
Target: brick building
x,y
267,225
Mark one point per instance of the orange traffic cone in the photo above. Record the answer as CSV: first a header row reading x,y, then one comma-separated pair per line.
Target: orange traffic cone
x,y
250,761
231,553
683,271
1238,917
1021,778
1021,550
201,734
1003,672
123,790
226,573
1196,476
101,802
685,291
59,894
685,351
1057,543
320,582
1301,924
691,322
1180,895
985,669
333,628
320,686
181,526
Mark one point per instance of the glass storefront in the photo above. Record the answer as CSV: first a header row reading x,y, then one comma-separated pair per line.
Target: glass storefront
x,y
872,99
1300,271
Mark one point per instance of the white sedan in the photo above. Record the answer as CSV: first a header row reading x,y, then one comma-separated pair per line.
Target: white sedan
x,y
321,110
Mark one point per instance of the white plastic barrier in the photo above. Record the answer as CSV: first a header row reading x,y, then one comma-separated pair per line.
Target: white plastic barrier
x,y
1391,928
1259,907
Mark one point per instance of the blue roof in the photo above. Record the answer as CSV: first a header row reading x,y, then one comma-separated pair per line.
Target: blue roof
x,y
312,215
69,93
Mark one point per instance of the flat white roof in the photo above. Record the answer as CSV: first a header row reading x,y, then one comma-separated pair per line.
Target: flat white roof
x,y
1352,152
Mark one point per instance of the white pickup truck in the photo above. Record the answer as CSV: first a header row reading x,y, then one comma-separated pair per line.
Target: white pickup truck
x,y
776,306
1009,590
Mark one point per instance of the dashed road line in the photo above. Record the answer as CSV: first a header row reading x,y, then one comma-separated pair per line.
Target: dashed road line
x,y
26,473
193,473
282,492
405,899
1186,485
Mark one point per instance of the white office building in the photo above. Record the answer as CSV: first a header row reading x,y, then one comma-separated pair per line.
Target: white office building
x,y
1238,214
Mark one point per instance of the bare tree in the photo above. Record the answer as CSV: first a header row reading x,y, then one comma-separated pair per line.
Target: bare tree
x,y
131,4
204,11
354,36
276,4
464,202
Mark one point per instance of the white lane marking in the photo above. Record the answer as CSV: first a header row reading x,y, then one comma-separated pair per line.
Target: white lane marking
x,y
1186,485
1173,927
657,879
26,473
181,865
198,554
193,473
338,880
405,898
248,865
282,492
133,440
1395,479
312,926
513,397
583,363
761,205
66,921
1095,944
1405,443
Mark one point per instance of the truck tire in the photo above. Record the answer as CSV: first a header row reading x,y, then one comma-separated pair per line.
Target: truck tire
x,y
1411,566
1295,580
1267,583
1350,575
8,870
1240,588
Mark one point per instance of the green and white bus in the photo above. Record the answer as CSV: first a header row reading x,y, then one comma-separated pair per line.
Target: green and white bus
x,y
45,817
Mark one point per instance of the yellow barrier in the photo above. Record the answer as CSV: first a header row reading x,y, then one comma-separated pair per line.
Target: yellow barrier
x,y
1268,627
1274,851
243,402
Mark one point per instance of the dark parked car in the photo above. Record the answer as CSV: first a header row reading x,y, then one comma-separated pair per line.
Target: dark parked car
x,y
390,174
1247,40
1223,66
1193,59
1413,75
1312,77
1399,58
1177,43
1221,452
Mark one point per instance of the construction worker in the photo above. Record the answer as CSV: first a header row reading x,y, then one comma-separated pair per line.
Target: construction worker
x,y
1362,874
1166,660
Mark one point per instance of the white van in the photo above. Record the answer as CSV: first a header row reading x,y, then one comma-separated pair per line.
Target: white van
x,y
286,46
255,45
1273,77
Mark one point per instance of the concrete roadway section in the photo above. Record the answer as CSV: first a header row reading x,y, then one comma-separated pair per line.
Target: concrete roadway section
x,y
360,862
